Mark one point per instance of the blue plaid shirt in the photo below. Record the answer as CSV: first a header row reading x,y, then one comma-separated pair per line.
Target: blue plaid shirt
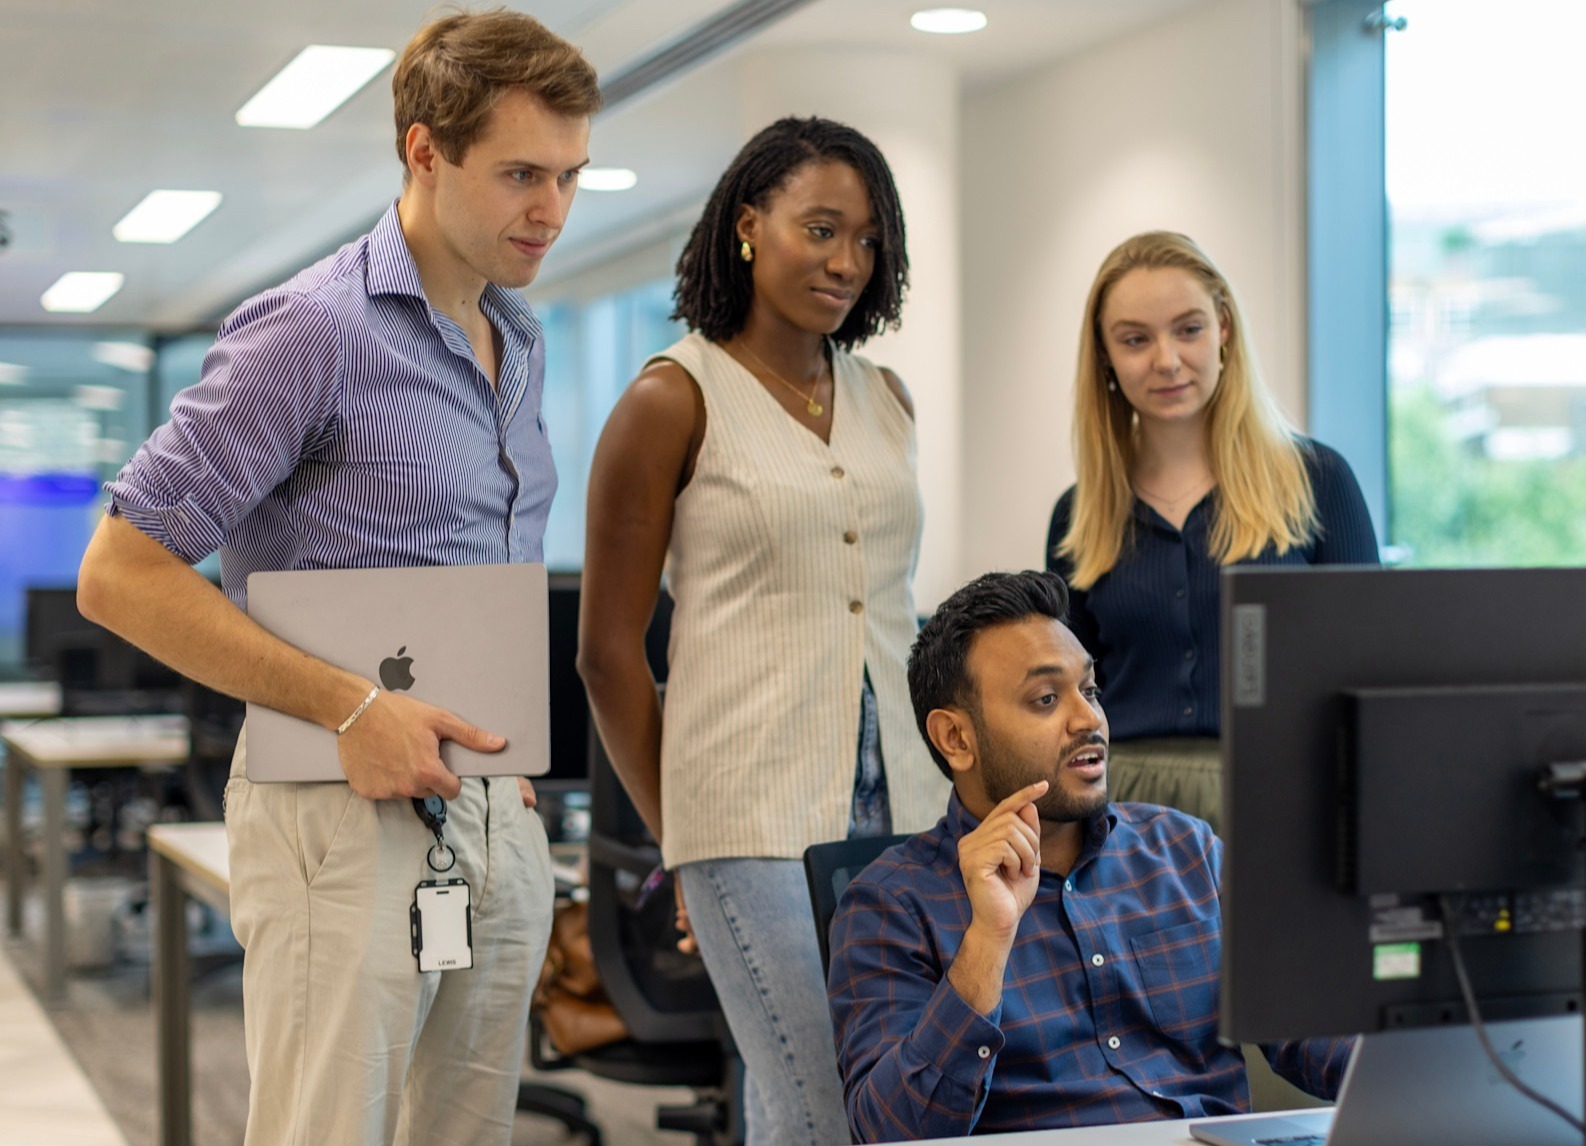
x,y
1109,1006
342,422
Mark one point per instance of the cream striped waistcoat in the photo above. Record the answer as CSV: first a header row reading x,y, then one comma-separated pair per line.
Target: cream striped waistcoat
x,y
790,563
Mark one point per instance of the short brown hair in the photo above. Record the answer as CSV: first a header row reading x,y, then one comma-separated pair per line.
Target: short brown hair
x,y
451,74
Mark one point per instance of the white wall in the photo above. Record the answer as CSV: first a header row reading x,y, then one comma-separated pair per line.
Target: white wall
x,y
1194,124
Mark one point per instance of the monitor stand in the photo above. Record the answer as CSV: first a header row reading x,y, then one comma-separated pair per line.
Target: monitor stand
x,y
1436,1084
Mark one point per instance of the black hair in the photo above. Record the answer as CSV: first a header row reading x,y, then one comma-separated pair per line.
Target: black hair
x,y
938,662
714,286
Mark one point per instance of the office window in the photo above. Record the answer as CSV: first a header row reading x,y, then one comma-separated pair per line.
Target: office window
x,y
72,406
594,347
1486,256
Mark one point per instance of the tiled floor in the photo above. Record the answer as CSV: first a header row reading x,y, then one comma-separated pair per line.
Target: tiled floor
x,y
45,1099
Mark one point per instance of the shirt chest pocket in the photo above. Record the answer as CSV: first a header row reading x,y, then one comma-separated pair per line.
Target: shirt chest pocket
x,y
1178,978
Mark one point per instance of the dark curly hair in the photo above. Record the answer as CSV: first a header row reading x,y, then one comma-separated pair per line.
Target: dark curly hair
x,y
938,662
714,286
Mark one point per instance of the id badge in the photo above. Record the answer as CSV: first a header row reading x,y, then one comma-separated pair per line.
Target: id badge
x,y
442,924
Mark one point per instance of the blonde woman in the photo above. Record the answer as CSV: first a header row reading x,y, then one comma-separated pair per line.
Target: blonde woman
x,y
1185,465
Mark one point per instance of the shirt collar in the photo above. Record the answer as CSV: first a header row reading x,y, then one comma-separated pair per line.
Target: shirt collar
x,y
1145,515
513,308
391,266
393,271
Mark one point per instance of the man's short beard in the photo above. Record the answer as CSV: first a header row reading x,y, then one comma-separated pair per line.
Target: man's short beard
x,y
1003,774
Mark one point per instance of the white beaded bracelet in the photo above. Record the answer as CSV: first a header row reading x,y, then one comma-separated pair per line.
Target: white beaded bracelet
x,y
357,712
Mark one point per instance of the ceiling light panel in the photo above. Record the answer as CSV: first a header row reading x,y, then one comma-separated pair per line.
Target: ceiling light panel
x,y
133,357
606,179
81,292
318,81
165,216
948,21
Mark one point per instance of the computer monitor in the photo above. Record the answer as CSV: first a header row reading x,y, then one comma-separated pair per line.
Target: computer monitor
x,y
62,645
570,724
1385,738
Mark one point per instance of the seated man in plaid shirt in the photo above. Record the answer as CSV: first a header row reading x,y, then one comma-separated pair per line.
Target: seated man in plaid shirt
x,y
1040,958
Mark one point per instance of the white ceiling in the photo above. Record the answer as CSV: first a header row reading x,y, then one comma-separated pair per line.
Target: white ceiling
x,y
105,100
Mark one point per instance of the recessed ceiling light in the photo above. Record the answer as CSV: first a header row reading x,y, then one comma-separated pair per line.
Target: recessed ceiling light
x,y
165,216
99,397
948,21
313,85
606,179
133,357
80,292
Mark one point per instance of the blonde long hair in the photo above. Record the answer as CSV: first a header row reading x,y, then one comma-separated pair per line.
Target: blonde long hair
x,y
1264,494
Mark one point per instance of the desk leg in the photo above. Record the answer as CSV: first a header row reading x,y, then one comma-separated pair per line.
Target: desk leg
x,y
13,845
54,782
171,1004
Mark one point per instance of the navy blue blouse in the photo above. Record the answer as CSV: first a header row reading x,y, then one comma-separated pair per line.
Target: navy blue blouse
x,y
1151,621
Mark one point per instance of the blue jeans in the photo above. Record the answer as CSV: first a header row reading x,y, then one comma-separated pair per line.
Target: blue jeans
x,y
756,933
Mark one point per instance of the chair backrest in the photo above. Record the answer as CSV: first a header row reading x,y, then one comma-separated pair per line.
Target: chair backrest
x,y
829,868
663,995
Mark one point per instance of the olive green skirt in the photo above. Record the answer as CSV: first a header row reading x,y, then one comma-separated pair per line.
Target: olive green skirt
x,y
1183,772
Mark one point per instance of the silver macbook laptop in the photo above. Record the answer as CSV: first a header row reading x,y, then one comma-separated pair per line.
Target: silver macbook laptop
x,y
470,639
1436,1085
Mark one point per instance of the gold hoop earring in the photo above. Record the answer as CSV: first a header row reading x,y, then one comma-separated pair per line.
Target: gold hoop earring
x,y
1112,380
1222,355
745,251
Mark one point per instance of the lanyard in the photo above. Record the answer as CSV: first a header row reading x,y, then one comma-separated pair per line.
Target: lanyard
x,y
432,814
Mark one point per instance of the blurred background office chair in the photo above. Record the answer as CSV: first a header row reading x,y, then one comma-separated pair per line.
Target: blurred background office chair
x,y
677,1035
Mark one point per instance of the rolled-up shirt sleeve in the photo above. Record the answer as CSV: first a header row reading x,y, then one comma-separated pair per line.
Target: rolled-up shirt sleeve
x,y
268,394
916,1060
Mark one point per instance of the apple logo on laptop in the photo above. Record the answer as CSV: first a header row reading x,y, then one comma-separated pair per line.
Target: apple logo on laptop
x,y
395,672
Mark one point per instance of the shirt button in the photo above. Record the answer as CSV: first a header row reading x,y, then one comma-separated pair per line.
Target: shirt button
x,y
850,537
1068,885
1114,1043
1097,960
984,1052
837,472
1189,712
1179,593
856,607
1189,654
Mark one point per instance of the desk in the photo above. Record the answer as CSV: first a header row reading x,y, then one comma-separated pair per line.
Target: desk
x,y
29,698
185,861
53,748
1133,1134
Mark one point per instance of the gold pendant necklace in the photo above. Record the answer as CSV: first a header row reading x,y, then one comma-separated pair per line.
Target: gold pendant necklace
x,y
811,406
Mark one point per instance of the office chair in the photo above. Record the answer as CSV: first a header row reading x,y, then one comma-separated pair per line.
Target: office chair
x,y
829,868
677,1036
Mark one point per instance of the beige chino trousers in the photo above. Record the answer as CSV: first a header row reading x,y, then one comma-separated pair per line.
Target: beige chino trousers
x,y
347,1041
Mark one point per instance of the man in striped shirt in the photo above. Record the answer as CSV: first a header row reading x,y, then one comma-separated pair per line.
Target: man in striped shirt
x,y
380,409
1041,958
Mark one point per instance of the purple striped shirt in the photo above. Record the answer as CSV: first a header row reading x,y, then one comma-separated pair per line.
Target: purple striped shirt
x,y
342,422
1109,1004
